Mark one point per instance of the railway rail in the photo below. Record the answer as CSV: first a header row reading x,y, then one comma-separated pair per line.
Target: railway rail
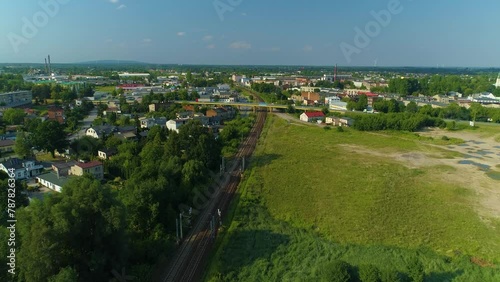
x,y
188,263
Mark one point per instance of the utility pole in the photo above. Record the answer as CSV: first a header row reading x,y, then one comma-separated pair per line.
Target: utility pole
x,y
177,229
180,223
213,226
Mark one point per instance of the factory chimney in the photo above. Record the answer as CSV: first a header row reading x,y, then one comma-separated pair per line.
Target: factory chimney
x,y
335,74
50,66
46,66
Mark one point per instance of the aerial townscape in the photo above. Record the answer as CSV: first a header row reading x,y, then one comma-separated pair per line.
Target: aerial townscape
x,y
249,141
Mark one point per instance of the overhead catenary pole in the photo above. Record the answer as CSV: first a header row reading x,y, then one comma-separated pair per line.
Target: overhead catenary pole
x,y
180,224
177,228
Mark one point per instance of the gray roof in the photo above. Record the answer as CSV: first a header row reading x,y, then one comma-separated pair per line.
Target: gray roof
x,y
15,163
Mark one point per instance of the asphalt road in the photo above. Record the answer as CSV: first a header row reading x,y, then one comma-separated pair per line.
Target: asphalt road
x,y
86,123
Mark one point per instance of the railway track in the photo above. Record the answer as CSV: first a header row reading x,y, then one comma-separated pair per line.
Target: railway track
x,y
189,260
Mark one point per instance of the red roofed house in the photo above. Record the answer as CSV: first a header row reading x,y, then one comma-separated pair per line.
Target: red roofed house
x,y
57,114
312,116
372,97
95,168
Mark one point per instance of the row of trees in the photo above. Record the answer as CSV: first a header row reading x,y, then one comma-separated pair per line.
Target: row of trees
x,y
440,84
396,121
41,92
13,82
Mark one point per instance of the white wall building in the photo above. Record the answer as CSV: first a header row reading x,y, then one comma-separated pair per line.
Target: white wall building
x,y
175,124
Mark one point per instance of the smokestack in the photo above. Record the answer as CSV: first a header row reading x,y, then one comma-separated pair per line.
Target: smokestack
x,y
50,66
46,66
335,74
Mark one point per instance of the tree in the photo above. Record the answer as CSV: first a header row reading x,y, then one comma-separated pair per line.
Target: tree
x,y
50,136
13,116
189,76
412,107
22,148
476,110
80,228
67,274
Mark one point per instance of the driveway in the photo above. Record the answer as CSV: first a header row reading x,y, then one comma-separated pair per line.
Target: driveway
x,y
86,123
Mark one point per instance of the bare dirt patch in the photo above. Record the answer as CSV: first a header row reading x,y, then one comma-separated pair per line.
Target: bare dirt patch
x,y
480,156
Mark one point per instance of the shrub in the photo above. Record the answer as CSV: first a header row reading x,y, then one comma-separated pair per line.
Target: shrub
x,y
445,138
369,273
337,271
340,129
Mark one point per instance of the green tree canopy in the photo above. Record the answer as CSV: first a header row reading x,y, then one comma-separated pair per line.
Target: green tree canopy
x,y
81,228
13,116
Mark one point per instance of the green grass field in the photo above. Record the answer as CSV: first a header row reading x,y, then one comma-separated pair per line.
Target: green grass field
x,y
307,200
108,89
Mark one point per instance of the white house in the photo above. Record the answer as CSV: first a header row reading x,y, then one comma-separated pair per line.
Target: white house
x,y
52,181
312,116
332,99
175,124
22,168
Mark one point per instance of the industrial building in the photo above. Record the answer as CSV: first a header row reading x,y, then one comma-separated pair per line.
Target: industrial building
x,y
15,99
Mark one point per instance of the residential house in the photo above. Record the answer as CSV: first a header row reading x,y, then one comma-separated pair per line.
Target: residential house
x,y
7,146
112,110
313,96
57,114
159,107
9,136
52,181
63,168
332,99
346,122
103,131
175,124
312,116
22,168
150,122
336,121
94,168
224,113
441,99
107,153
185,115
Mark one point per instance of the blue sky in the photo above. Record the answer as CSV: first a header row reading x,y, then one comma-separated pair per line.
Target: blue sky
x,y
274,32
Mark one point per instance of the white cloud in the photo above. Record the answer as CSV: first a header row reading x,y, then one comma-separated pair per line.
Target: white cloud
x,y
181,33
208,38
308,48
211,46
272,49
114,1
147,40
121,7
240,45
